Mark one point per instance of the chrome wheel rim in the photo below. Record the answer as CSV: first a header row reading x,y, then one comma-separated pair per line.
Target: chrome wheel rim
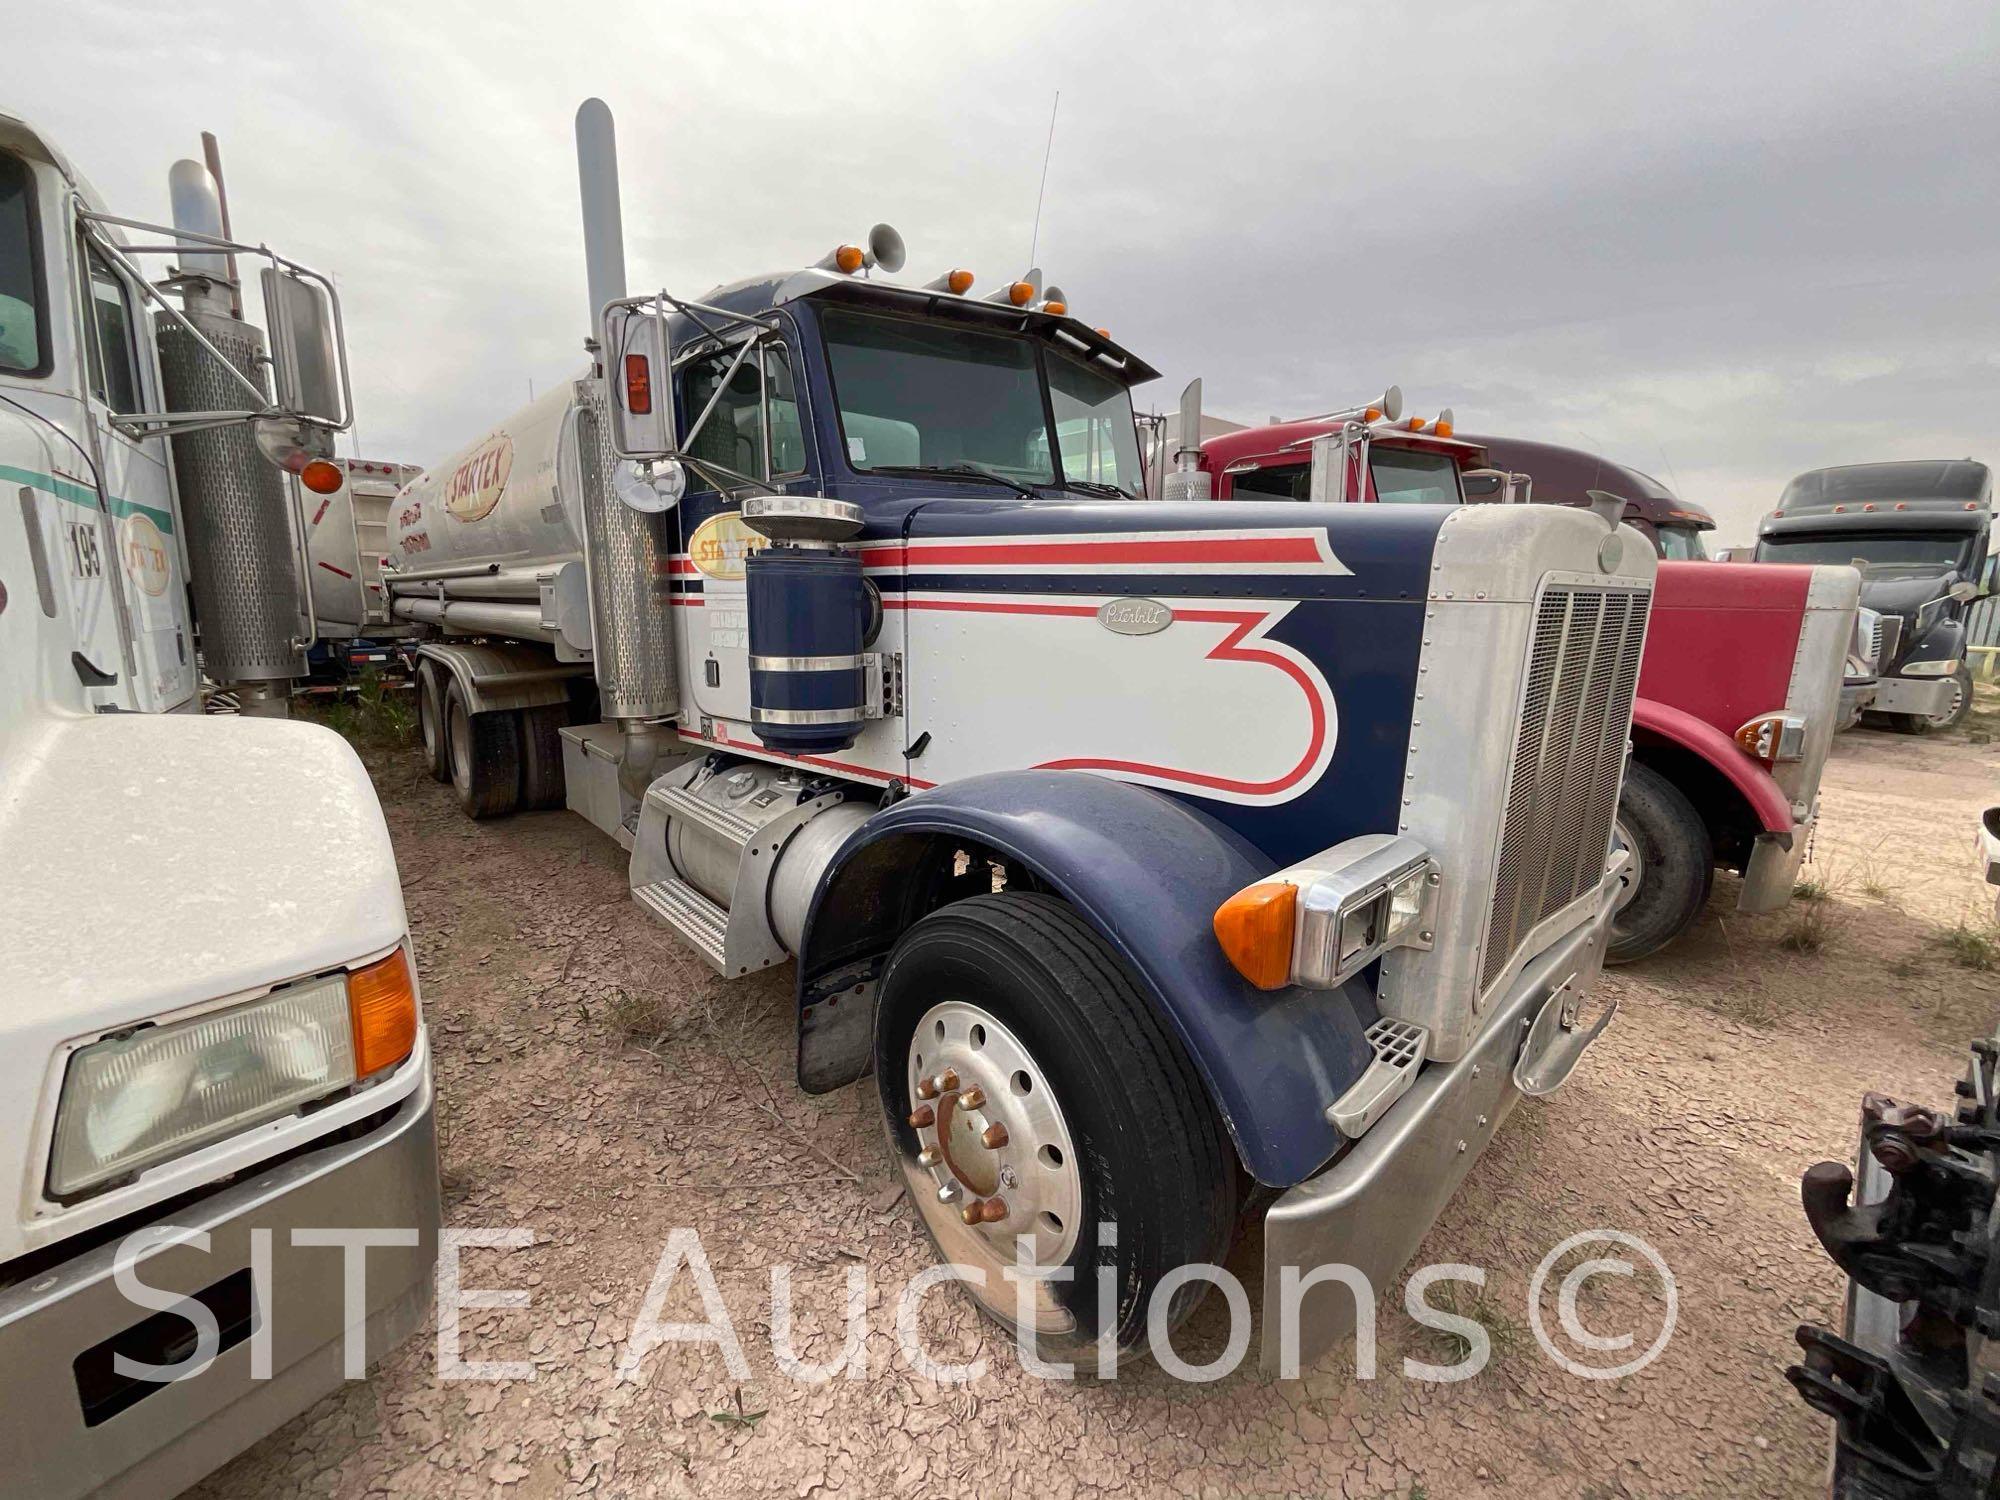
x,y
995,1171
1957,702
1632,876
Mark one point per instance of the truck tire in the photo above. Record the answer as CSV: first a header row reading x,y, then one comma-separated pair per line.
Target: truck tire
x,y
1015,998
541,756
431,720
1672,868
485,757
1951,718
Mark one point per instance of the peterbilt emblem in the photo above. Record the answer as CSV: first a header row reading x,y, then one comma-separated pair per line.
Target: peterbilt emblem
x,y
1135,616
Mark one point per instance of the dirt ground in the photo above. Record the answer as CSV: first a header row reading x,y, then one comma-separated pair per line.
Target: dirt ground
x,y
600,1088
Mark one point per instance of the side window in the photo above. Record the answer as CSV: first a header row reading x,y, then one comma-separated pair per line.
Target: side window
x,y
788,439
20,292
1279,481
113,357
733,435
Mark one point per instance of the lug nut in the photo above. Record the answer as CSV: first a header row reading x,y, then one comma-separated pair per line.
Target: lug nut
x,y
928,1157
993,1210
946,1081
922,1116
970,1214
973,1098
948,1193
994,1137
926,1089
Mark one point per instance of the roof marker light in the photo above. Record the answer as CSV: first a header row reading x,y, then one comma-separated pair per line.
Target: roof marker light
x,y
957,281
1415,424
848,258
1443,425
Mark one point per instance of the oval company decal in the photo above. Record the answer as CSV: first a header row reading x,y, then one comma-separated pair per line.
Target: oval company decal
x,y
1134,616
145,553
721,543
474,487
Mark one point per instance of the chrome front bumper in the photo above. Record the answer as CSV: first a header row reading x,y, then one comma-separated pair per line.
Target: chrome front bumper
x,y
145,1439
1371,1209
1927,696
1773,869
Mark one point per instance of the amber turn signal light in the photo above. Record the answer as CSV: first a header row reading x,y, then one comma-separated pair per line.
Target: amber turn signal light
x,y
638,385
849,258
322,477
382,1006
959,282
1254,927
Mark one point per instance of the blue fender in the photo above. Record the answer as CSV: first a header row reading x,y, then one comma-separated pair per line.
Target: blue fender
x,y
1147,871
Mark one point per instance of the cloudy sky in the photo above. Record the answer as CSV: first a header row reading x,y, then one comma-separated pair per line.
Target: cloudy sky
x,y
1722,243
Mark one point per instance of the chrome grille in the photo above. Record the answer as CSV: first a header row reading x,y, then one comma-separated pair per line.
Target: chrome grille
x,y
1569,754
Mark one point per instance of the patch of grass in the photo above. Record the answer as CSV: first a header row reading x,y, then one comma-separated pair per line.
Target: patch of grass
x,y
738,1417
1810,927
376,715
1973,947
1503,1332
1906,968
638,1017
1811,889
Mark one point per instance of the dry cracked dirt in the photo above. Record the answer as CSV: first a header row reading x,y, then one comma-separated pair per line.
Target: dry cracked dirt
x,y
599,1088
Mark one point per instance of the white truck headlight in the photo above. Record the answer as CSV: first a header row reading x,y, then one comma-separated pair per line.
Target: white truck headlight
x,y
1321,922
1943,667
131,1101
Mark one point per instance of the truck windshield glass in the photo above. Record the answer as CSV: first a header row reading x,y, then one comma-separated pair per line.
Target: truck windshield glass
x,y
1403,477
922,395
1682,544
20,326
1094,426
1869,550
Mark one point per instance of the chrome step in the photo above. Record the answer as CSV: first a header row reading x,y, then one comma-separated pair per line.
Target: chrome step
x,y
1400,1049
677,802
685,910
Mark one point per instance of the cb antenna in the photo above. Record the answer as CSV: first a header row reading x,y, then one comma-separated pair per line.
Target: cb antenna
x,y
1035,239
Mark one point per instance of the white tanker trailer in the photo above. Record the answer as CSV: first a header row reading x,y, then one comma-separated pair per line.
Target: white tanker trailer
x,y
1137,849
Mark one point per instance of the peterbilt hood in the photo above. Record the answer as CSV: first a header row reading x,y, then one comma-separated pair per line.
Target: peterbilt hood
x,y
149,863
1901,593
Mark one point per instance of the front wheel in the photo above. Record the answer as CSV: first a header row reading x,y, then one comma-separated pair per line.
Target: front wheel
x,y
1033,1097
1955,711
1667,880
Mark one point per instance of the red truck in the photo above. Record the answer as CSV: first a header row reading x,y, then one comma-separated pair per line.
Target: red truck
x,y
1739,688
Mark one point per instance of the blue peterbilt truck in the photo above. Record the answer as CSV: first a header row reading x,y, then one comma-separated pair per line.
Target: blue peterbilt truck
x,y
1163,862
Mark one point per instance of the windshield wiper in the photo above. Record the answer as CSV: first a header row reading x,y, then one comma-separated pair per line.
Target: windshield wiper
x,y
1099,487
960,471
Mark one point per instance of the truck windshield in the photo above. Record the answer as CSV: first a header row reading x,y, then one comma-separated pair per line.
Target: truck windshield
x,y
1876,550
20,328
1405,477
924,395
1094,427
1682,544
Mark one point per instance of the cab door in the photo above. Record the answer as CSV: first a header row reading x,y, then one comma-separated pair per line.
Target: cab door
x,y
139,539
753,430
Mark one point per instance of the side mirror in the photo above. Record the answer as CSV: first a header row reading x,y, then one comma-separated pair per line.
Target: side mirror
x,y
1331,465
306,348
638,376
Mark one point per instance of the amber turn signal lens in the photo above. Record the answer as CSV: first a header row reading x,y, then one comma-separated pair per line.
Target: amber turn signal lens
x,y
1442,428
848,258
959,282
382,1005
1021,293
1058,308
638,385
1372,414
1254,927
322,477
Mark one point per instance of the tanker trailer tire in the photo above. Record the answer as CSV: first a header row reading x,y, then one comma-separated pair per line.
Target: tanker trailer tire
x,y
1028,1082
1672,867
541,756
431,720
485,757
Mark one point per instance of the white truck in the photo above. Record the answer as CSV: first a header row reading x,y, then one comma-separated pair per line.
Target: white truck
x,y
213,1066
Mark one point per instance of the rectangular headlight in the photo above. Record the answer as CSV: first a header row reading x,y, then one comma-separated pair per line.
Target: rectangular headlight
x,y
129,1102
1321,922
1943,667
